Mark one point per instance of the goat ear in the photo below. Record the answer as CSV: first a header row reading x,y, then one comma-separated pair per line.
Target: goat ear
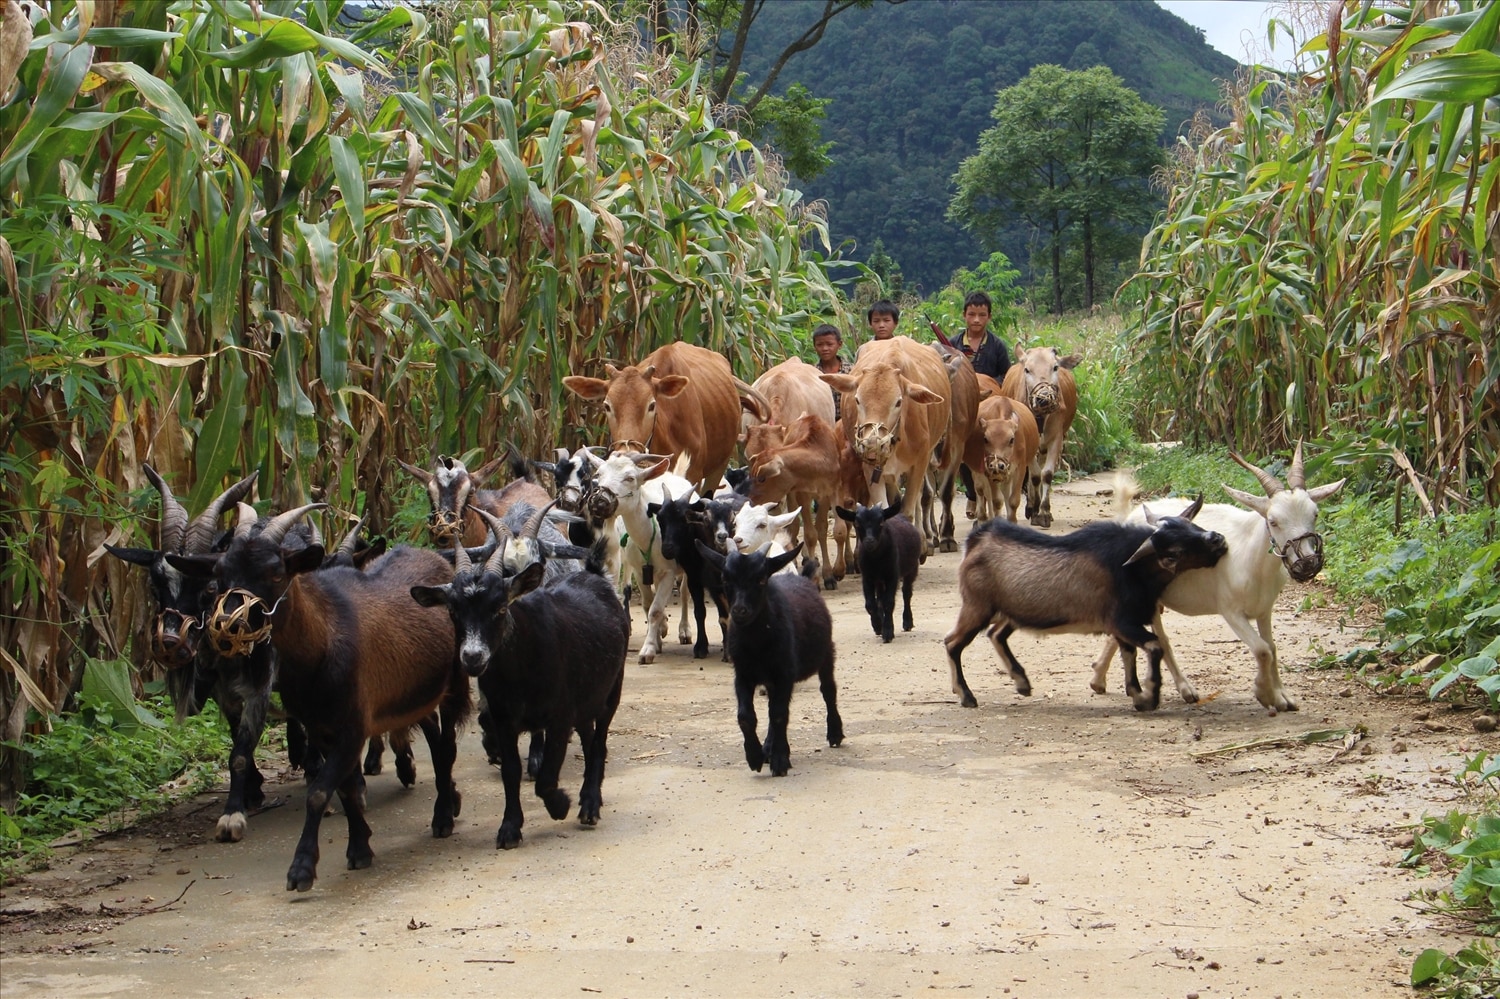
x,y
305,559
135,556
776,563
844,514
487,469
542,466
422,475
1320,493
652,509
587,388
370,553
714,557
526,580
197,566
657,469
1146,550
431,596
1260,504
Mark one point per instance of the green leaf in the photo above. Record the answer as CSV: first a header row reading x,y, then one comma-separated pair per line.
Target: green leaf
x,y
61,77
351,178
1456,78
219,440
283,38
1429,965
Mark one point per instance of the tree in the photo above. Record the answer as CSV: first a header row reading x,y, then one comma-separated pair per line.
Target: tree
x,y
1069,149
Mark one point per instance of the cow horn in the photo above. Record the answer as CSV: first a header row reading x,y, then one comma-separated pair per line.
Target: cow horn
x,y
200,533
496,563
649,371
247,518
1295,477
1268,482
276,530
174,516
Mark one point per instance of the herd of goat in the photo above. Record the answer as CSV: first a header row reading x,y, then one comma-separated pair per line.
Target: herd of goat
x,y
527,589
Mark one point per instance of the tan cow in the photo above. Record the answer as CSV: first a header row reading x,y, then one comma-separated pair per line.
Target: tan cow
x,y
964,409
792,388
802,472
1044,382
999,452
895,411
680,400
854,491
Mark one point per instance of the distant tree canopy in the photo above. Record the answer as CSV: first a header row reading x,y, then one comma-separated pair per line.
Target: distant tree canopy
x,y
1070,155
912,87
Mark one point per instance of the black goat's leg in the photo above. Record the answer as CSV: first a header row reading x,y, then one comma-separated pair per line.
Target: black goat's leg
x,y
251,691
535,749
998,637
340,762
871,586
907,622
887,611
830,692
509,836
438,735
352,797
406,761
595,753
694,584
722,604
296,744
744,693
1132,638
1132,680
588,795
778,714
555,798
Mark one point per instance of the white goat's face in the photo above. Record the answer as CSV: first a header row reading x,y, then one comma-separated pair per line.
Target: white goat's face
x,y
617,482
1292,521
755,525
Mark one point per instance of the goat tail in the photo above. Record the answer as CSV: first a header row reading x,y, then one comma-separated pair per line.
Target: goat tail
x,y
810,568
520,468
596,560
1127,494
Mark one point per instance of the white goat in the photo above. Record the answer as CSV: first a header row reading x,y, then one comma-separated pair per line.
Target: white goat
x,y
755,526
1277,540
623,486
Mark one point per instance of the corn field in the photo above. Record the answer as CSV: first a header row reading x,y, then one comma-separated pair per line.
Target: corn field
x,y
1326,266
276,236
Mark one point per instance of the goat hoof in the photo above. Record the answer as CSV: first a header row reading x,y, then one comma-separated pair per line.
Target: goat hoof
x,y
700,652
755,760
684,640
508,838
373,764
442,829
231,828
458,802
646,658
888,635
948,545
359,860
836,733
299,880
780,767
558,803
969,701
831,583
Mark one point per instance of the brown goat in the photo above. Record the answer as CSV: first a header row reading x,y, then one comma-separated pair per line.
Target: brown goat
x,y
453,490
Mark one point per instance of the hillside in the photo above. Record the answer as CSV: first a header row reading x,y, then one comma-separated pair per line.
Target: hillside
x,y
912,87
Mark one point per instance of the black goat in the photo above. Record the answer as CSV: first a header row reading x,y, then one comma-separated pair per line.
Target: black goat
x,y
780,633
1105,578
684,520
549,655
890,550
241,686
355,658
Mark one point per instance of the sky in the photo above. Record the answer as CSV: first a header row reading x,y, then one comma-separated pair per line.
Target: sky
x,y
1227,24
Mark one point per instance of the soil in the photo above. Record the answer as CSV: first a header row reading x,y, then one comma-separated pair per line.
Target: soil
x,y
1057,845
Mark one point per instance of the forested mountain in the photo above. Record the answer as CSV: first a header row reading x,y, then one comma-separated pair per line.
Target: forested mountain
x,y
912,87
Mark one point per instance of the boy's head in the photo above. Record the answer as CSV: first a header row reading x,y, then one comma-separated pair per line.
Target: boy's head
x,y
976,311
883,317
826,341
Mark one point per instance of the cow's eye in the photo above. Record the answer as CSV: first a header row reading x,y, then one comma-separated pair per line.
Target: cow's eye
x,y
651,407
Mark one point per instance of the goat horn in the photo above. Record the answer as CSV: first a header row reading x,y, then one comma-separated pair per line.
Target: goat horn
x,y
317,535
533,525
496,563
1193,509
422,474
174,516
1295,478
200,533
276,530
346,547
1268,482
562,454
247,519
461,561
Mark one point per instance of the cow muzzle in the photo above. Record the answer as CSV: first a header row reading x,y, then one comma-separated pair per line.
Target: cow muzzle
x,y
173,643
1043,400
995,466
1302,556
240,621
874,442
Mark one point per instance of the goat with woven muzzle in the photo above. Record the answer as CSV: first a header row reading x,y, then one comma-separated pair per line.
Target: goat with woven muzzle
x,y
356,658
455,493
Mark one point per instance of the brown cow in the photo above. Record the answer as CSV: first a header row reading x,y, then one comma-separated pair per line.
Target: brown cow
x,y
792,389
680,400
854,491
963,414
1041,380
895,411
802,472
999,452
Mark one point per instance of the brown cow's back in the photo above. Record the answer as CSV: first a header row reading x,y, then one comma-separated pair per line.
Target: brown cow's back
x,y
794,389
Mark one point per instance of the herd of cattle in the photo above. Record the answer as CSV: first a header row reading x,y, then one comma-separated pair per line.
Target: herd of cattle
x,y
527,589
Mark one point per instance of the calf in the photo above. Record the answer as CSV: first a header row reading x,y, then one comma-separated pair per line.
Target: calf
x,y
1000,450
782,634
890,549
1102,578
549,656
1043,381
803,470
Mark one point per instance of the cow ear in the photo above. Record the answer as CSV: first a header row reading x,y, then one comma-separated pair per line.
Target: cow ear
x,y
985,393
587,388
1070,361
1020,357
670,386
920,393
840,383
431,596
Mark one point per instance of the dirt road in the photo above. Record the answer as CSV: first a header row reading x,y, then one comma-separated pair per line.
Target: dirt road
x,y
1056,845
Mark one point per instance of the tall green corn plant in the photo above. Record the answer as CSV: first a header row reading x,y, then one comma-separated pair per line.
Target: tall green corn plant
x,y
1327,260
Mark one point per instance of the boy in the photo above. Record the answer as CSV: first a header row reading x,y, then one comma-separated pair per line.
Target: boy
x,y
883,317
984,349
827,341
